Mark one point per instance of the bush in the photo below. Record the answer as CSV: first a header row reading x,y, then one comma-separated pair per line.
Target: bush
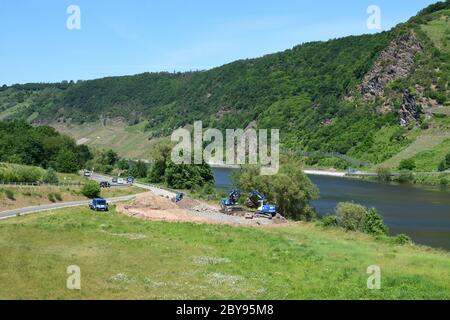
x,y
350,216
51,197
373,223
445,164
329,221
58,196
91,189
10,194
407,164
402,239
51,176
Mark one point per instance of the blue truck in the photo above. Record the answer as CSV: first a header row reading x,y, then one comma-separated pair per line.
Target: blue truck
x,y
99,204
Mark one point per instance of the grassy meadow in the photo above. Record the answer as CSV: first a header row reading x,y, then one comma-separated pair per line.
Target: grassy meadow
x,y
125,258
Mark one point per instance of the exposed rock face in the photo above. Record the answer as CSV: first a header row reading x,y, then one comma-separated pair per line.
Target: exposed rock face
x,y
395,62
410,110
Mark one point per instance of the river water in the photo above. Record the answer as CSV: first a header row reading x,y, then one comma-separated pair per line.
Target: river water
x,y
423,213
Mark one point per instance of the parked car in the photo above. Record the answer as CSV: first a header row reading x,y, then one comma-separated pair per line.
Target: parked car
x,y
114,180
130,180
120,181
105,184
99,204
87,173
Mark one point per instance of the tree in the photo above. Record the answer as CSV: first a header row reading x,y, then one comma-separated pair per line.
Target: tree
x,y
110,157
66,162
139,170
161,156
51,176
157,171
123,164
91,189
184,176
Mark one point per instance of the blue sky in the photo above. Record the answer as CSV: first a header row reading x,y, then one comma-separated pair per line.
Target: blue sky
x,y
119,37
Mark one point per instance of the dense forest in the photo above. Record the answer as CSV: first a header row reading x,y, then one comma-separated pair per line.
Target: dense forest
x,y
312,92
41,146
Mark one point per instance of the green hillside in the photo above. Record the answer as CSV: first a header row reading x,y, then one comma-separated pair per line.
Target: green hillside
x,y
368,96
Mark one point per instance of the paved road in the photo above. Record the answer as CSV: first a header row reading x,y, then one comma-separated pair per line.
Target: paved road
x,y
96,177
154,189
47,207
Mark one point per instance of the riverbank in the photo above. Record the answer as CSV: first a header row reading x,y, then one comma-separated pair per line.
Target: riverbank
x,y
125,258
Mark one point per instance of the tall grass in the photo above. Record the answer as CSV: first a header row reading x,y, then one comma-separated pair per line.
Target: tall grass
x,y
18,173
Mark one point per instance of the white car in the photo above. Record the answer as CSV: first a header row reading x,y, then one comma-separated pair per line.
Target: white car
x,y
120,181
87,173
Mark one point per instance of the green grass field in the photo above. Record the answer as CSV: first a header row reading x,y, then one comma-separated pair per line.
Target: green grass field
x,y
126,258
438,31
425,142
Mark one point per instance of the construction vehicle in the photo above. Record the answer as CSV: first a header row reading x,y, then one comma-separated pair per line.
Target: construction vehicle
x,y
230,204
179,196
259,201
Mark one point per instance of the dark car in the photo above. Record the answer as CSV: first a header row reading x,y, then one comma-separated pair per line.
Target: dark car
x,y
105,184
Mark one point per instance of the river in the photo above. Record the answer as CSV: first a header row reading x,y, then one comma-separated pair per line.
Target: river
x,y
423,213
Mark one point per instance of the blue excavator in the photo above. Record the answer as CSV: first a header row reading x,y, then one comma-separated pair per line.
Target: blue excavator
x,y
259,201
255,200
230,203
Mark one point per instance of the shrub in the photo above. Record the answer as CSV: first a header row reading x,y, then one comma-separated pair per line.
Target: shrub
x,y
51,177
58,196
407,164
91,189
445,164
350,216
402,239
329,221
51,197
10,194
373,223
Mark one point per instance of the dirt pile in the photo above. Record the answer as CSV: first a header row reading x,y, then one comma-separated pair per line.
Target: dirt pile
x,y
151,206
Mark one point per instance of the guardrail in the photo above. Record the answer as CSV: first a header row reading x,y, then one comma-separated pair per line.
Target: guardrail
x,y
39,184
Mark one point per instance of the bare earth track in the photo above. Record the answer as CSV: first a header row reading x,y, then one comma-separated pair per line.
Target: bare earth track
x,y
150,206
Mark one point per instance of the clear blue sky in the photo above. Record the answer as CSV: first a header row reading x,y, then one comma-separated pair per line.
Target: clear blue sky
x,y
119,37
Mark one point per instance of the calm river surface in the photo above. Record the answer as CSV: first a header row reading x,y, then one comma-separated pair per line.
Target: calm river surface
x,y
420,212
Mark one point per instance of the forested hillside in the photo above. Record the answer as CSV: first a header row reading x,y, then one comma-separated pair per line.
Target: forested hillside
x,y
40,146
367,96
